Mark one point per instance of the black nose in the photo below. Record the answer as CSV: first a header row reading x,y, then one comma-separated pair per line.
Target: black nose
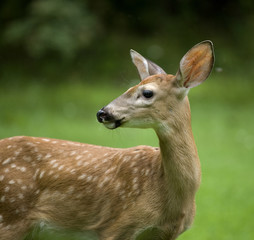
x,y
103,116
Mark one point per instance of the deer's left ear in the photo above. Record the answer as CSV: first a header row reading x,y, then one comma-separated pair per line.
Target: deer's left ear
x,y
145,67
196,65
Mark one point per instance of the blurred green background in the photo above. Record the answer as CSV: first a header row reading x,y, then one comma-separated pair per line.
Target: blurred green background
x,y
61,61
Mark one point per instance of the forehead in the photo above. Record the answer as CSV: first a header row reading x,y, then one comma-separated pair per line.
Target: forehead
x,y
160,80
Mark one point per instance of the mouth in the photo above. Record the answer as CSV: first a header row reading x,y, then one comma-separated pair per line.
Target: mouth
x,y
108,120
113,124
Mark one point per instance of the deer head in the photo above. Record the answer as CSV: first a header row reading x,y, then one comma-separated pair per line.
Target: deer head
x,y
158,96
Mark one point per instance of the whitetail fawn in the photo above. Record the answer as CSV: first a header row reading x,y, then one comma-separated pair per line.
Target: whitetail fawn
x,y
117,193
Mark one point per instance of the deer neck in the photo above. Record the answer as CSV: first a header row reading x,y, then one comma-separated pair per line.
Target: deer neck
x,y
180,161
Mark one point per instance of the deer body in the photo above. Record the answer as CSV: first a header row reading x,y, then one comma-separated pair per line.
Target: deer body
x,y
114,192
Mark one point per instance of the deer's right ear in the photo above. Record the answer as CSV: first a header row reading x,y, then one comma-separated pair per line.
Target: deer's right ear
x,y
145,67
196,65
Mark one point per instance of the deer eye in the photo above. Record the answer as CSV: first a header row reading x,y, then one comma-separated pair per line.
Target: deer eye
x,y
147,93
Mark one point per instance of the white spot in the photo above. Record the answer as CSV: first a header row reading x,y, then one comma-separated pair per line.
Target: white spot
x,y
54,142
135,180
12,200
89,178
55,165
125,207
78,157
80,195
50,172
126,158
13,165
60,151
8,227
118,185
2,199
36,172
30,144
71,189
135,186
20,196
135,170
147,172
61,167
11,182
27,158
6,170
56,176
108,171
95,178
45,140
42,173
85,164
73,171
1,218
39,156
106,179
104,160
6,161
93,159
133,164
121,192
48,155
83,176
35,149
1,177
37,191
10,146
18,152
79,163
23,169
72,153
24,187
52,161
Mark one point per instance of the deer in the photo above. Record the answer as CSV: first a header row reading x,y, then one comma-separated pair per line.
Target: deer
x,y
117,193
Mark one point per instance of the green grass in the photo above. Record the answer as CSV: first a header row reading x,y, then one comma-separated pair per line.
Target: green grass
x,y
222,119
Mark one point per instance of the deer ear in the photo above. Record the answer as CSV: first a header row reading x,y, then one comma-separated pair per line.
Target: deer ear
x,y
196,65
145,67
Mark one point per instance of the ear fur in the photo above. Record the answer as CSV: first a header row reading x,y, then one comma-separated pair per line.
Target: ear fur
x,y
145,67
196,65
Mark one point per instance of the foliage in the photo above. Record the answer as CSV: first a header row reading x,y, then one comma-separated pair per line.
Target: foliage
x,y
59,26
75,30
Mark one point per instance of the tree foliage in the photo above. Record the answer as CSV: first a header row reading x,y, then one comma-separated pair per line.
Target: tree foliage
x,y
59,26
93,30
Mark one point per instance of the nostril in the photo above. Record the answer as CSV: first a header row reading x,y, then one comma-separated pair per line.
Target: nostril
x,y
104,116
101,114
